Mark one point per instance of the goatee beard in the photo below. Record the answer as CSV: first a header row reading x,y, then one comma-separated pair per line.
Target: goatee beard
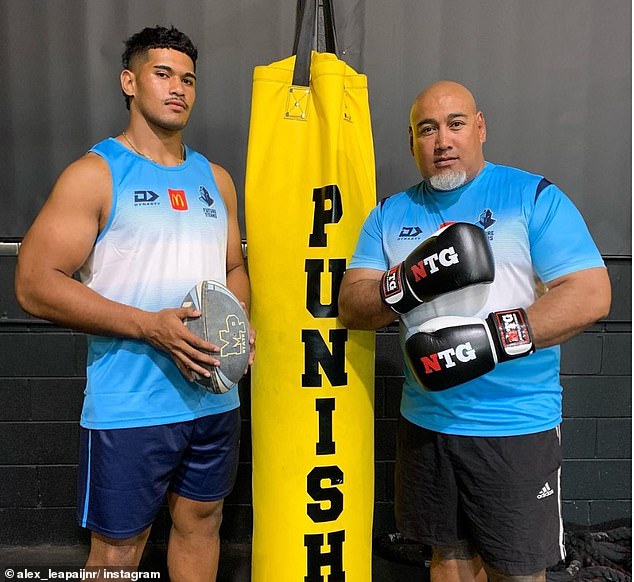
x,y
448,180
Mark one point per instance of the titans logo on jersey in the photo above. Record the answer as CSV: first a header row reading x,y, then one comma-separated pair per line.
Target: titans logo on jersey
x,y
487,221
206,199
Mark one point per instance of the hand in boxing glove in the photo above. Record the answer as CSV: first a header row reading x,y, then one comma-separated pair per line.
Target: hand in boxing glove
x,y
454,257
446,351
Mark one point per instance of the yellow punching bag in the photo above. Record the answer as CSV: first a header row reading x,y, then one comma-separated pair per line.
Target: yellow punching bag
x,y
310,183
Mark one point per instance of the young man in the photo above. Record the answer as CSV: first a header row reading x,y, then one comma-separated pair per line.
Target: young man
x,y
478,451
142,218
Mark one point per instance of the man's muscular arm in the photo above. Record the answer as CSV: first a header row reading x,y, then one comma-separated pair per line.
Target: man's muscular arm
x,y
237,277
470,347
59,242
572,303
360,303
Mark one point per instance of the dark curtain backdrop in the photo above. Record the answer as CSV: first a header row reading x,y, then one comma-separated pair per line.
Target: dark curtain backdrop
x,y
553,78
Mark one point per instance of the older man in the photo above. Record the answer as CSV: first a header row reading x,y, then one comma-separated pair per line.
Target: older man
x,y
463,259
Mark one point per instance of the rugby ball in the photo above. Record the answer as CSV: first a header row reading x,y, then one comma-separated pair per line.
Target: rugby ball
x,y
222,322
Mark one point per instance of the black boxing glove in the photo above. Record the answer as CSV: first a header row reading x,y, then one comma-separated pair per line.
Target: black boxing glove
x,y
454,257
446,351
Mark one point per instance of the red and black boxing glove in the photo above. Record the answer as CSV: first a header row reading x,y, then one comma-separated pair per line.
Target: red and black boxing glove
x,y
446,351
454,257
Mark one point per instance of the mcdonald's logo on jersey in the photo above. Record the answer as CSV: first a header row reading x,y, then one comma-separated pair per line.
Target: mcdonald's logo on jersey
x,y
178,200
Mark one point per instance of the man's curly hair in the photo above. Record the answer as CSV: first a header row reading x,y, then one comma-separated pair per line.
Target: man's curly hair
x,y
158,37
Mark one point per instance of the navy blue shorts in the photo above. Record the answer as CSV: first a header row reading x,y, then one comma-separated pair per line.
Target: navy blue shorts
x,y
124,474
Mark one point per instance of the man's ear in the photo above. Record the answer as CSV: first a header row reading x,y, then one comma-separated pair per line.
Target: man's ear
x,y
482,126
411,140
128,82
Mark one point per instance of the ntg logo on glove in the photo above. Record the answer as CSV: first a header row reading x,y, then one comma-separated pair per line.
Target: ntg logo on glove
x,y
445,359
454,257
446,258
447,351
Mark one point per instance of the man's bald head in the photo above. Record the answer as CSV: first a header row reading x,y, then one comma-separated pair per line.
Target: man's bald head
x,y
440,89
446,135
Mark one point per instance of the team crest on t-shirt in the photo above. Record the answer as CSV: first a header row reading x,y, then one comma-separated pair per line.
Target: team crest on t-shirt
x,y
486,219
206,198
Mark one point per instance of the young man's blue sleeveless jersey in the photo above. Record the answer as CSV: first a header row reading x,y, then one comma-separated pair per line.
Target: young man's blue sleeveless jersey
x,y
536,233
167,230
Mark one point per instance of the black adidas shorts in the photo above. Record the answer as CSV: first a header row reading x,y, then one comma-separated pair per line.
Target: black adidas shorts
x,y
500,494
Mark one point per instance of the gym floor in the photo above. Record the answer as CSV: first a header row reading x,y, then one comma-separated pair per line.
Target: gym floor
x,y
235,563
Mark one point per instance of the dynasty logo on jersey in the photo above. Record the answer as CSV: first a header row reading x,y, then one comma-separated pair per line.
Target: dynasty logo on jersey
x,y
145,198
410,232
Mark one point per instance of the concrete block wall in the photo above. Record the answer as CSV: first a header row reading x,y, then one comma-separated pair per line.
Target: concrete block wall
x,y
42,380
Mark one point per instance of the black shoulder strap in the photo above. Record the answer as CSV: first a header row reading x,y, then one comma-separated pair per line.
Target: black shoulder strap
x,y
330,30
306,18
